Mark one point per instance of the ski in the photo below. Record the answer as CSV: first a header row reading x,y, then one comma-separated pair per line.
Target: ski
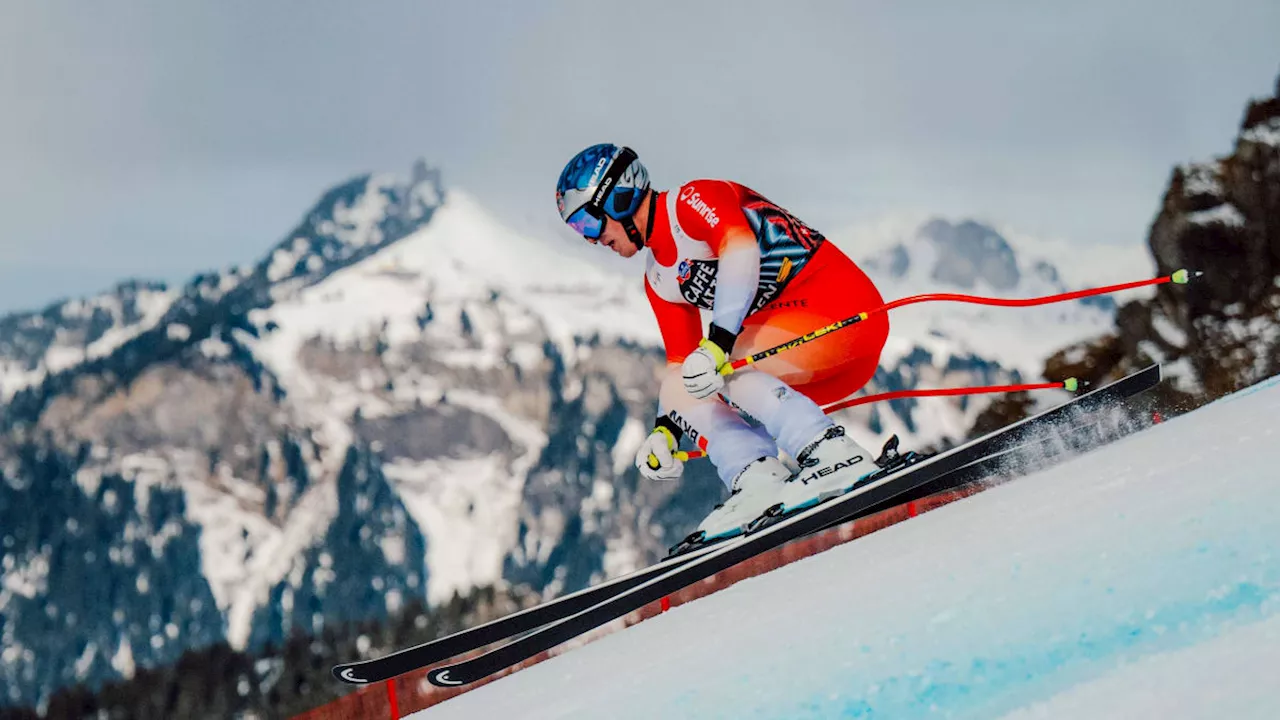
x,y
979,452
517,623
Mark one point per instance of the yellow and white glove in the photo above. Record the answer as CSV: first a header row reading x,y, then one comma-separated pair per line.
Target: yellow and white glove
x,y
701,370
656,457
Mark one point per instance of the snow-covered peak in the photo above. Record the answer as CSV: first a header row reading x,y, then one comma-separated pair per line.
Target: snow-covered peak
x,y
66,333
350,220
463,255
377,250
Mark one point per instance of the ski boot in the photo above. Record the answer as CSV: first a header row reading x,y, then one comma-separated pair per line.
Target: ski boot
x,y
830,466
754,489
842,475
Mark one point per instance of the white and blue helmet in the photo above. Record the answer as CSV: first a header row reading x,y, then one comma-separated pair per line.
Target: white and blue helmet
x,y
603,180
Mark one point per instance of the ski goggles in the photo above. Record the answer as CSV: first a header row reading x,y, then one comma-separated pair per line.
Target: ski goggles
x,y
588,221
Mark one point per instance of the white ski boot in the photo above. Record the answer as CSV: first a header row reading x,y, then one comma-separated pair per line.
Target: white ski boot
x,y
756,488
830,465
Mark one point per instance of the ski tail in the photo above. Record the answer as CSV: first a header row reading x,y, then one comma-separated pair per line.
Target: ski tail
x,y
428,653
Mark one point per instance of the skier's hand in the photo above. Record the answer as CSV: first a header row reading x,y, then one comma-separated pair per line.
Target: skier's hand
x,y
656,458
701,370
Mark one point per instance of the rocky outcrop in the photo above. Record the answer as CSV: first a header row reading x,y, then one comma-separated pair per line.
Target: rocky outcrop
x,y
1222,332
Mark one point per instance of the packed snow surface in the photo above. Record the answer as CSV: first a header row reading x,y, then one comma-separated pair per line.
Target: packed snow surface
x,y
1140,580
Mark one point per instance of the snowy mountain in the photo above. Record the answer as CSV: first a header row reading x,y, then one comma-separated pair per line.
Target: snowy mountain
x,y
403,399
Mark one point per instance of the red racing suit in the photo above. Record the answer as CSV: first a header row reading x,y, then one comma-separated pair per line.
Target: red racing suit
x,y
766,276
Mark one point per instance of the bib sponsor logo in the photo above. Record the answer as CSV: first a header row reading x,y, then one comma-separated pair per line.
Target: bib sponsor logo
x,y
698,284
800,303
691,198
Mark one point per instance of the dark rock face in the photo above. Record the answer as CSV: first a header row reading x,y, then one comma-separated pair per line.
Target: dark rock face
x,y
433,432
1222,332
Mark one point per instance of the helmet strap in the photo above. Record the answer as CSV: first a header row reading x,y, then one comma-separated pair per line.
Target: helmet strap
x,y
632,232
630,227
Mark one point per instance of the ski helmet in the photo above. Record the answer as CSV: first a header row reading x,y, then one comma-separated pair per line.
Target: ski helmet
x,y
603,180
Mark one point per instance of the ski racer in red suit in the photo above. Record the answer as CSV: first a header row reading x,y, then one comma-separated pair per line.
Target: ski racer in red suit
x,y
765,278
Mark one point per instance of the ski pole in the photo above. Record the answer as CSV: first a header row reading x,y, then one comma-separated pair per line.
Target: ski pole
x,y
1070,385
1181,277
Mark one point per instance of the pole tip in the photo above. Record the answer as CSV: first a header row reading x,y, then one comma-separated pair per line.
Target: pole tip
x,y
1071,384
1183,276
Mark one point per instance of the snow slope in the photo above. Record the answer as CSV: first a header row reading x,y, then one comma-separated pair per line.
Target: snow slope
x,y
1141,580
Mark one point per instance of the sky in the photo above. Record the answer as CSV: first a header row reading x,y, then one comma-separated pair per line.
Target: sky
x,y
156,139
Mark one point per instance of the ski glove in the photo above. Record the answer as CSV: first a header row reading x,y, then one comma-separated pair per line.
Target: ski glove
x,y
656,458
701,370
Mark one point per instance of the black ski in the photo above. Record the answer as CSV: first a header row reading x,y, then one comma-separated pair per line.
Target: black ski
x,y
420,656
979,452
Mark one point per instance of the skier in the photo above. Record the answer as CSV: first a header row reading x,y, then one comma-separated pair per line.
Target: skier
x,y
766,278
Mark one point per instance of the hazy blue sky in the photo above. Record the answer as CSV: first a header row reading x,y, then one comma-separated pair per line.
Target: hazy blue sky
x,y
158,139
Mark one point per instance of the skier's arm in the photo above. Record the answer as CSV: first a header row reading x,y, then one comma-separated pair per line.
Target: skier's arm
x,y
681,328
711,209
736,280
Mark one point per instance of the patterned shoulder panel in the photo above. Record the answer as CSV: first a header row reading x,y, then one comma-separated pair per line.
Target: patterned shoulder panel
x,y
786,244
